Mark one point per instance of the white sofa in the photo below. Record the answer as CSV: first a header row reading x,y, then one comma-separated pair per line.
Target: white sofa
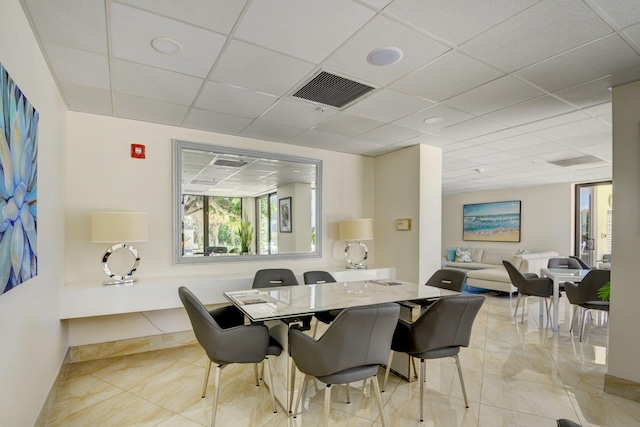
x,y
487,271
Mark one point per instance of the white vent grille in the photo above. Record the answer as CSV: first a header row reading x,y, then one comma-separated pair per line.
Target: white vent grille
x,y
329,89
577,161
230,163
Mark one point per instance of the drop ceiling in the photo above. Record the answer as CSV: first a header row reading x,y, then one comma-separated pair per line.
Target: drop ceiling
x,y
518,84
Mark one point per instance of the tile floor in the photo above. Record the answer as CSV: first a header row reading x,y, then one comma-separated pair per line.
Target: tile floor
x,y
516,375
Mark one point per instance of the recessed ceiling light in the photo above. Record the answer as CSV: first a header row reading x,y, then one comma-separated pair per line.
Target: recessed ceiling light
x,y
433,120
385,56
166,46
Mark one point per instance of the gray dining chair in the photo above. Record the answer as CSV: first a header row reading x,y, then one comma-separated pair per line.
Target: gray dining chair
x,y
448,278
529,287
566,262
584,296
226,340
270,277
583,265
440,331
356,342
316,277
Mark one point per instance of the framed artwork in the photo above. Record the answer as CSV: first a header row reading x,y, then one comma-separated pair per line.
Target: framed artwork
x,y
284,214
19,191
492,222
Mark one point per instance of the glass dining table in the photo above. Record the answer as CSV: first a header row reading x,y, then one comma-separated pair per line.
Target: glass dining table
x,y
272,305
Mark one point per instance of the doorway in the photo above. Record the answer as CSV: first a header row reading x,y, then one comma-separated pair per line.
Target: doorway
x,y
594,217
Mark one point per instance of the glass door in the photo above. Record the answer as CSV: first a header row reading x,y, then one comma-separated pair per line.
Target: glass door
x,y
593,223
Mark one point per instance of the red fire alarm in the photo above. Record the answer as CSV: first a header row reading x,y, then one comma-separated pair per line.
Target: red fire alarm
x,y
137,151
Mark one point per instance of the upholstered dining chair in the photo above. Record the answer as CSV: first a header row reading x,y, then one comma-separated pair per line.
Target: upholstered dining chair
x,y
529,287
448,278
226,340
584,296
315,277
583,265
567,262
356,342
440,331
270,277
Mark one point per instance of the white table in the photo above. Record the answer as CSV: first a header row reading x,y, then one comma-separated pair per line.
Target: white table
x,y
560,275
270,305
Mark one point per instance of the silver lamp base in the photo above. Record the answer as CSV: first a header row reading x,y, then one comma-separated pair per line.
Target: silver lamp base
x,y
351,265
127,278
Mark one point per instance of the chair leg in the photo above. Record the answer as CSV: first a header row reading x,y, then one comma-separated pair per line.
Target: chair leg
x,y
573,317
271,387
206,379
415,370
292,386
216,393
315,328
464,390
348,394
423,376
386,373
255,372
546,306
584,320
295,411
327,404
515,312
376,388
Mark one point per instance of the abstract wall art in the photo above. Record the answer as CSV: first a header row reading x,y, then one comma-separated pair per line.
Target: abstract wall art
x,y
492,222
18,185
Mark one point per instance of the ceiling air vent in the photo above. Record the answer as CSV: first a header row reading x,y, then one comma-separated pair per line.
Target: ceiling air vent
x,y
577,161
329,89
230,163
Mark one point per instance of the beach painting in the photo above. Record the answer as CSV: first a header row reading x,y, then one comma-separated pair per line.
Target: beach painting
x,y
492,222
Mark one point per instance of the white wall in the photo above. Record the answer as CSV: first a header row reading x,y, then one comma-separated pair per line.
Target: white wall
x,y
624,346
33,340
104,177
547,222
409,186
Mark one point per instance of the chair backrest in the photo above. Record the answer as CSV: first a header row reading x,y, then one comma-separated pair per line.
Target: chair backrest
x,y
311,277
517,278
240,344
564,263
583,264
448,278
587,290
446,323
359,336
274,277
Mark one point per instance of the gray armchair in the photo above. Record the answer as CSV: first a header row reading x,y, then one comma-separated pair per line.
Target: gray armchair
x,y
529,287
270,277
315,277
226,340
564,263
584,295
439,332
357,341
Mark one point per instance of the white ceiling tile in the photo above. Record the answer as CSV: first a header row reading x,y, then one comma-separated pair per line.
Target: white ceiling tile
x,y
134,30
87,99
559,155
378,4
530,111
347,125
471,153
496,157
446,76
300,28
494,136
79,67
582,127
387,105
296,113
587,140
215,122
453,147
389,134
351,58
601,57
494,95
603,109
381,151
633,33
260,129
538,149
456,20
450,116
433,140
517,141
233,100
140,80
148,110
554,121
356,146
275,75
312,138
84,23
586,94
219,15
622,12
545,29
471,128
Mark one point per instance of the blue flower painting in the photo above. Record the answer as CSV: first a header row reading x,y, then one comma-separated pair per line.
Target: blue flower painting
x,y
18,186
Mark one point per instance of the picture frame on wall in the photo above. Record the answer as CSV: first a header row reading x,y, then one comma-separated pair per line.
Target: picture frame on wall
x,y
285,215
492,222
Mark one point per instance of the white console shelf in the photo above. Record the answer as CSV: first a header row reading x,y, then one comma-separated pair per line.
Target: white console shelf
x,y
92,298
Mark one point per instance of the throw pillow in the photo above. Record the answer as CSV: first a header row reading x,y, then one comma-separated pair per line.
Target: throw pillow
x,y
522,251
451,254
463,255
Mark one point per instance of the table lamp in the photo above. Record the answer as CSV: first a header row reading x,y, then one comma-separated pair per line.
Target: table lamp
x,y
119,227
355,231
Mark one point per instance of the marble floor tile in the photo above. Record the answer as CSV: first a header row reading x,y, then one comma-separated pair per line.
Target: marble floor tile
x,y
516,374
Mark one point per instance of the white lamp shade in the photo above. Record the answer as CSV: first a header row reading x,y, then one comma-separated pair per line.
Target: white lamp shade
x,y
356,230
125,227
